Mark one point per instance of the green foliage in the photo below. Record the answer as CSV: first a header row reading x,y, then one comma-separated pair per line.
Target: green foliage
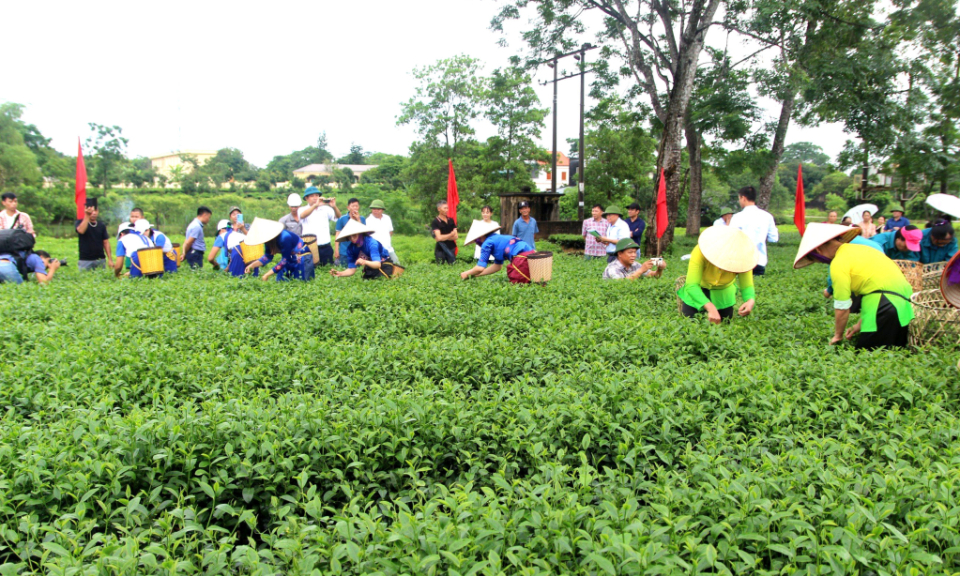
x,y
18,164
620,155
832,185
108,147
396,432
836,202
573,241
805,152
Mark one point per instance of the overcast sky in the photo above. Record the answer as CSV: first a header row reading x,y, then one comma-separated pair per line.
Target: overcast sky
x,y
266,78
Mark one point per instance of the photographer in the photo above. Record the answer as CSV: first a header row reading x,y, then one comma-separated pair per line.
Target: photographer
x,y
625,266
39,262
93,238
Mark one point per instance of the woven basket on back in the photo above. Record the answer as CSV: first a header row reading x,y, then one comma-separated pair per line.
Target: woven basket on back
x,y
935,321
913,272
251,253
676,290
151,261
541,266
931,275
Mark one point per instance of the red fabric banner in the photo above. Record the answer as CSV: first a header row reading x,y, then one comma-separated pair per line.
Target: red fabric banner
x,y
80,195
800,209
453,198
662,218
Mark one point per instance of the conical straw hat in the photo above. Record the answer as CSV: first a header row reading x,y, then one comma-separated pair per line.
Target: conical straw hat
x,y
728,249
353,227
478,229
817,234
951,292
262,231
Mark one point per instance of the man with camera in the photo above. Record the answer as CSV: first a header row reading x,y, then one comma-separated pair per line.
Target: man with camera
x,y
315,219
93,238
39,262
626,267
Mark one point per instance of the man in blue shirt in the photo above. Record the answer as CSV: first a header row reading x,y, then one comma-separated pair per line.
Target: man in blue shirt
x,y
194,246
938,245
363,250
353,213
635,223
36,262
898,221
525,226
902,244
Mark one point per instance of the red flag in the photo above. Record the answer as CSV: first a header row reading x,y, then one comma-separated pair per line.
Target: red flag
x,y
800,209
662,218
452,197
80,195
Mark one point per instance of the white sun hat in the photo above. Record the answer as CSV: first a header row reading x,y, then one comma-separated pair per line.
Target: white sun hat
x,y
479,229
945,203
141,226
294,199
816,235
353,227
728,249
122,227
262,231
223,224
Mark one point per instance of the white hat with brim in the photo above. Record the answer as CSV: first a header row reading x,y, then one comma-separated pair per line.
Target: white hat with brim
x,y
294,200
124,226
223,224
479,229
353,227
141,225
817,234
728,249
262,231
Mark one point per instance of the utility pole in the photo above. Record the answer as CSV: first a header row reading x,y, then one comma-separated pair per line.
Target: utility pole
x,y
581,157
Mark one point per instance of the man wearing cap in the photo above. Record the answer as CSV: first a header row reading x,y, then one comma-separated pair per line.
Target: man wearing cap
x,y
901,244
525,227
635,223
131,241
363,250
722,261
236,220
500,247
194,246
726,214
92,238
382,226
898,221
865,281
592,246
758,225
617,230
11,218
276,240
444,230
315,219
292,221
938,244
626,265
219,256
353,213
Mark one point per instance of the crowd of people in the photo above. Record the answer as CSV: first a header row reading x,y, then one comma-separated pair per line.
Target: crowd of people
x,y
728,256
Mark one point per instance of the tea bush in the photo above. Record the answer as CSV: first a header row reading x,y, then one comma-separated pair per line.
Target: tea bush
x,y
201,424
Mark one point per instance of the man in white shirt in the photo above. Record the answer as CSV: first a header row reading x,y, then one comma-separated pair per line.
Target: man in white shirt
x,y
616,231
315,219
757,224
382,226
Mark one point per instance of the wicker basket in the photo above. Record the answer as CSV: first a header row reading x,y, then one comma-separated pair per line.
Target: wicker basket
x,y
177,251
150,261
931,275
541,266
310,241
676,290
913,272
935,321
251,253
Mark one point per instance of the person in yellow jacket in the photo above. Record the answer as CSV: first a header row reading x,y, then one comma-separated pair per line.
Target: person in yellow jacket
x,y
865,280
722,262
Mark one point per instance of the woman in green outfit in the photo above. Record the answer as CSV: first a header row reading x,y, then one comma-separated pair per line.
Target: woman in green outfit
x,y
722,261
865,281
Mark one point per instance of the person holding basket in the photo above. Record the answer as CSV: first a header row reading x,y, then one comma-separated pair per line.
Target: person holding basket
x,y
276,239
499,247
362,250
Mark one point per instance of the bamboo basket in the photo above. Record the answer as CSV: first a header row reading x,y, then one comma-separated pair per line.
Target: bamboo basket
x,y
150,261
310,241
935,321
677,286
931,275
177,251
913,272
541,266
251,253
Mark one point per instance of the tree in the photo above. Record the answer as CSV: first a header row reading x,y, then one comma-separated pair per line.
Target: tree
x,y
355,156
109,147
805,152
18,164
657,42
387,172
620,155
228,165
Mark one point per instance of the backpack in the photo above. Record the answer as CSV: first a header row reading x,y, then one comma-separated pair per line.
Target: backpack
x,y
16,240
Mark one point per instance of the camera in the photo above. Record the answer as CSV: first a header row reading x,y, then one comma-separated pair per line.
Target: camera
x,y
63,261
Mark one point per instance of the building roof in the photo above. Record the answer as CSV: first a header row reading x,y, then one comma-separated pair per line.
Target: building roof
x,y
562,159
328,168
185,153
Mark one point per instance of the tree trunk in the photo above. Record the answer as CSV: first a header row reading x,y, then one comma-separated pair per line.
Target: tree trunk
x,y
865,172
776,152
695,191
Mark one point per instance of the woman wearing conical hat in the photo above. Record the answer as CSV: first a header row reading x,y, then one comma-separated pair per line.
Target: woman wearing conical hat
x,y
865,281
277,240
363,251
722,261
499,247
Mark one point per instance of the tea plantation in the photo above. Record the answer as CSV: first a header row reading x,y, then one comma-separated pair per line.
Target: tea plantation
x,y
200,424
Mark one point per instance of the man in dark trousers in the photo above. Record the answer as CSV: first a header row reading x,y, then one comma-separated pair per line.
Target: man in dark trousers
x,y
445,233
93,238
